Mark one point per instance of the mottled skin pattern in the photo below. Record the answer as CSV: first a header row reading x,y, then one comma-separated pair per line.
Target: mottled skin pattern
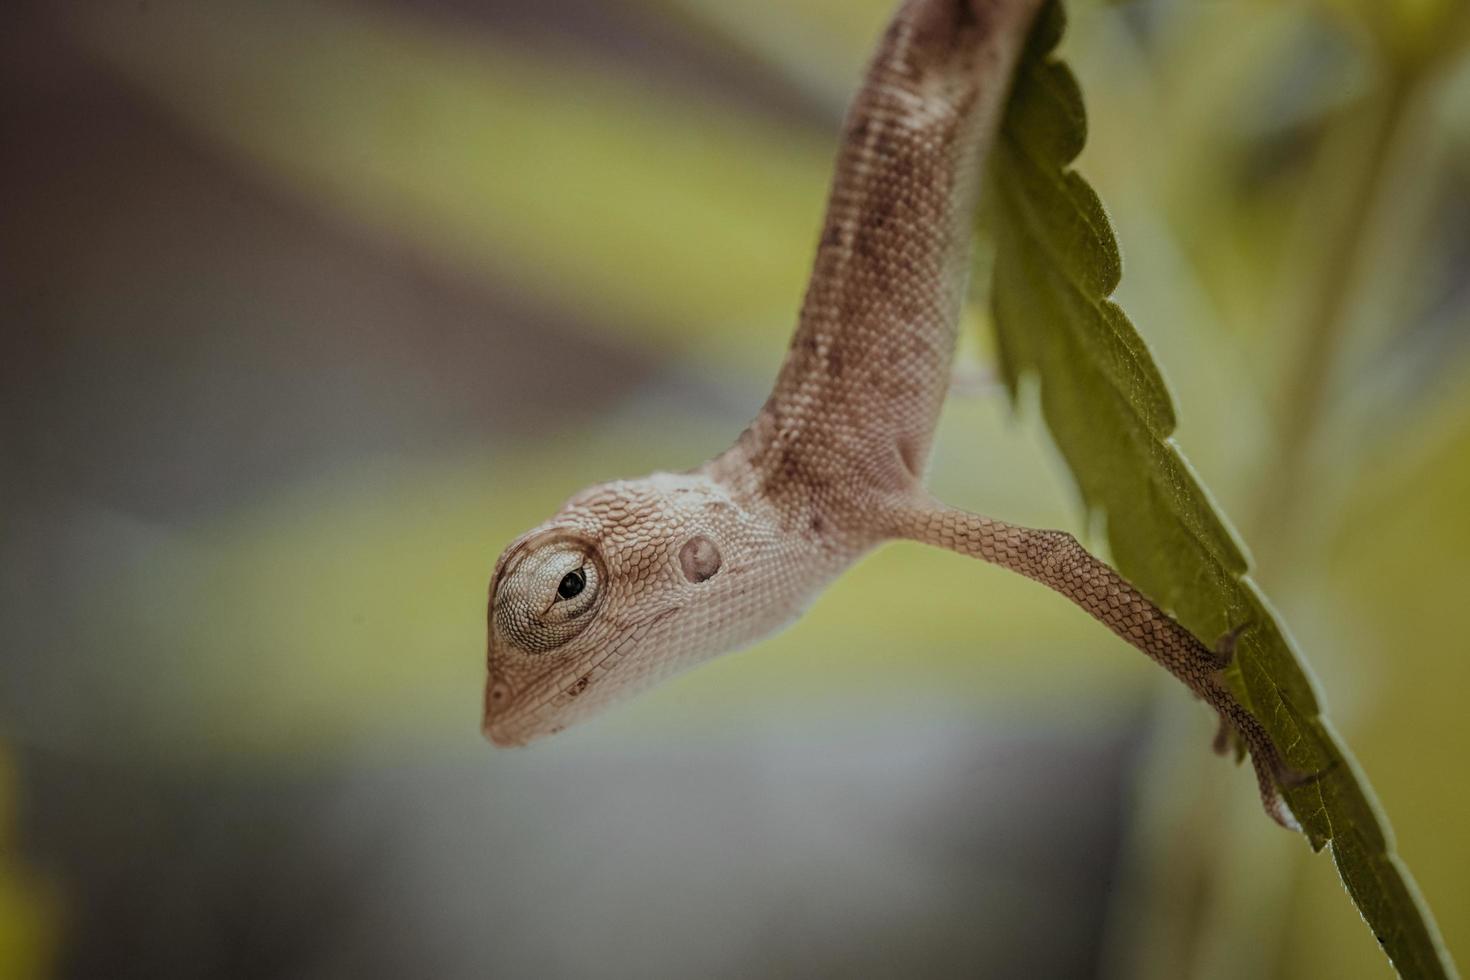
x,y
634,580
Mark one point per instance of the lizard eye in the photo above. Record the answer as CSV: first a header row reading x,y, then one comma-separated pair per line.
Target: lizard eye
x,y
572,584
548,593
576,577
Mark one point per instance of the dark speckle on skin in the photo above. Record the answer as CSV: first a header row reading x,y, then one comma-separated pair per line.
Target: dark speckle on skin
x,y
834,361
789,468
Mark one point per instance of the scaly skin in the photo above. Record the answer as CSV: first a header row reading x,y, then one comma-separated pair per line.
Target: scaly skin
x,y
634,580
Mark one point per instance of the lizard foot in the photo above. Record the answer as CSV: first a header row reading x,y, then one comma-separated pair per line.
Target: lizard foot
x,y
1268,777
1289,778
1273,774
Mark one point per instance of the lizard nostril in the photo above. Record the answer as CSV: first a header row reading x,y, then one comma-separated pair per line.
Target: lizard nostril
x,y
497,699
497,725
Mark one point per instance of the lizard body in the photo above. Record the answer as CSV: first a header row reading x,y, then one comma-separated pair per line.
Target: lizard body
x,y
634,580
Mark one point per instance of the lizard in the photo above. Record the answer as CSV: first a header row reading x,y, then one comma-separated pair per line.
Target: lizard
x,y
634,580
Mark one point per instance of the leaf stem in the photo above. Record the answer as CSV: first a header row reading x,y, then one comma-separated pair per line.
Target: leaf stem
x,y
1307,391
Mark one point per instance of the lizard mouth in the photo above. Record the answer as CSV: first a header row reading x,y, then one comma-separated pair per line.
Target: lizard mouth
x,y
502,739
505,722
514,716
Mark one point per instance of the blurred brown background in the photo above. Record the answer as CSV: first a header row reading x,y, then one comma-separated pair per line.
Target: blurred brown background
x,y
309,307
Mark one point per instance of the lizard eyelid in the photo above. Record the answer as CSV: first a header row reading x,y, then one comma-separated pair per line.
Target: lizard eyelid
x,y
533,542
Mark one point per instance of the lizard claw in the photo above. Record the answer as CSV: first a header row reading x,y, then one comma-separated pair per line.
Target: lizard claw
x,y
1290,778
1221,742
1272,775
1277,810
1225,647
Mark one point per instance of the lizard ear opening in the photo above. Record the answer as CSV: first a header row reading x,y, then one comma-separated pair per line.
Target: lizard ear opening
x,y
699,559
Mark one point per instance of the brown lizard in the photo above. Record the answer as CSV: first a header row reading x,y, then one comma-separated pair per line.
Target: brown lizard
x,y
634,580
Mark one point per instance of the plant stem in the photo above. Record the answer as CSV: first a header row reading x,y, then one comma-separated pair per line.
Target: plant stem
x,y
1306,390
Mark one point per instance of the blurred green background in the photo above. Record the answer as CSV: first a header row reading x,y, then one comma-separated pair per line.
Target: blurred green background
x,y
310,307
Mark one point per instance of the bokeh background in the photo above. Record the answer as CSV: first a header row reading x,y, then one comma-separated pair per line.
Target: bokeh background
x,y
310,306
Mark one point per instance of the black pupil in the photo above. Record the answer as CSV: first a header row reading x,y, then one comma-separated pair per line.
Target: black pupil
x,y
572,584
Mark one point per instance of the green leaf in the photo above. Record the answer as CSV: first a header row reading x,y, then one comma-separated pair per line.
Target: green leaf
x,y
1104,400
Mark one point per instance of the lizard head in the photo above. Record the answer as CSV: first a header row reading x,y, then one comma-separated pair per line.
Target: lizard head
x,y
629,582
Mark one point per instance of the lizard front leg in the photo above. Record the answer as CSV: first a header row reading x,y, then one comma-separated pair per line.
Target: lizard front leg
x,y
1058,561
634,579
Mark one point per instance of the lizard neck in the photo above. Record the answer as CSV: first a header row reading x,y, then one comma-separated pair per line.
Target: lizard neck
x,y
852,415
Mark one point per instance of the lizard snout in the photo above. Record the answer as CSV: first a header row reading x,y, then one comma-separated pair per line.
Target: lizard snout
x,y
497,700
